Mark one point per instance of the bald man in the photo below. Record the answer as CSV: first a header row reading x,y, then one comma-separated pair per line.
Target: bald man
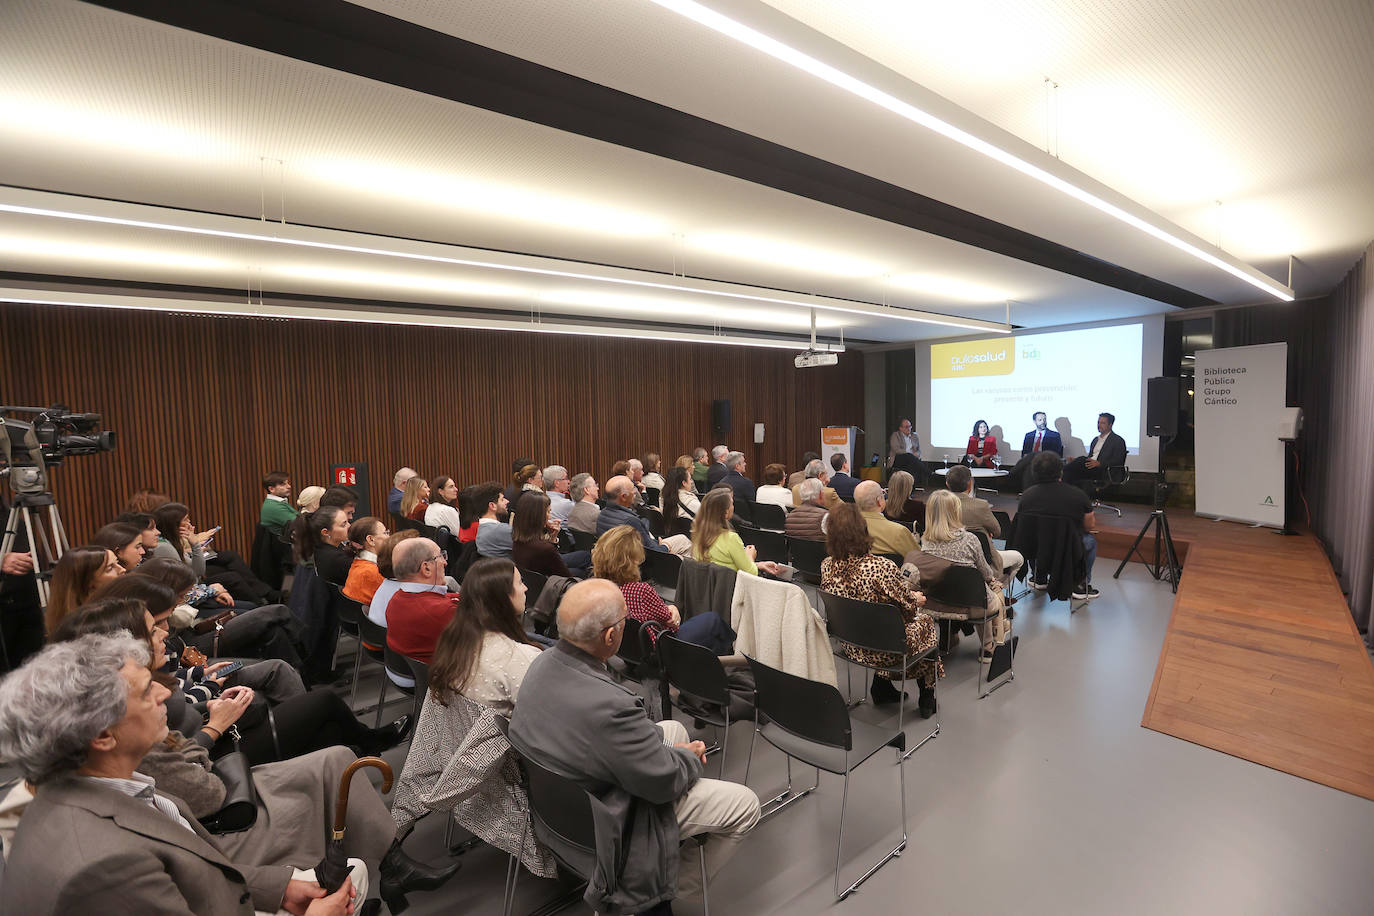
x,y
888,536
422,607
621,492
574,718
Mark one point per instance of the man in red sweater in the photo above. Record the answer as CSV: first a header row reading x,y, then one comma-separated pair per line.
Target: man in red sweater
x,y
418,613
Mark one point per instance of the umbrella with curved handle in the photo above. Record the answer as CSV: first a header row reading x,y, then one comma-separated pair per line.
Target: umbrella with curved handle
x,y
333,868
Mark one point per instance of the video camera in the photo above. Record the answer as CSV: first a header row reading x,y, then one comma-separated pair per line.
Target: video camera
x,y
28,447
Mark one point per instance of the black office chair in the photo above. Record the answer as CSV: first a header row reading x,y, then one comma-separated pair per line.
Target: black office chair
x,y
419,672
1116,476
809,721
806,556
877,628
768,516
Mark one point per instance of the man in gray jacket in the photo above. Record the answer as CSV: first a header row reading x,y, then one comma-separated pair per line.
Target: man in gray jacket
x,y
643,779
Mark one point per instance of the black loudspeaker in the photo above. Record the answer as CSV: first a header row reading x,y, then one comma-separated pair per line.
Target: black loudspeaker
x,y
1161,407
720,416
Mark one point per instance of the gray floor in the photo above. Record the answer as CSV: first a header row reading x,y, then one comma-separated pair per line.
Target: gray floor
x,y
1047,797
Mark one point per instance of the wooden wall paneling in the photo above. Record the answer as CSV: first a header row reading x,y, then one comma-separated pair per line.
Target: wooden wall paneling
x,y
204,405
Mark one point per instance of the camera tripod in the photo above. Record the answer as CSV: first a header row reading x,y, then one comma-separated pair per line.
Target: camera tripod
x,y
51,542
1166,557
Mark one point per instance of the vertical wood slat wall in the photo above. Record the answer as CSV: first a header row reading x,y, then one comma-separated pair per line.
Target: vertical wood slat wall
x,y
203,405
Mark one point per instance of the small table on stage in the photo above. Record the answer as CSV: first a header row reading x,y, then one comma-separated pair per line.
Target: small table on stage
x,y
979,474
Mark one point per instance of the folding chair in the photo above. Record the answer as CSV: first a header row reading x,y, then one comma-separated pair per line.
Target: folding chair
x,y
703,691
373,634
805,556
582,540
768,545
808,720
768,516
962,591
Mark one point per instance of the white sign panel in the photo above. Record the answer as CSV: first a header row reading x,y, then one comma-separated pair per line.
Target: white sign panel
x,y
1239,395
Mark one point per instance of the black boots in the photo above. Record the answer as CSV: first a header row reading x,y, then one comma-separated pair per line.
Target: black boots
x,y
388,736
401,874
926,704
883,692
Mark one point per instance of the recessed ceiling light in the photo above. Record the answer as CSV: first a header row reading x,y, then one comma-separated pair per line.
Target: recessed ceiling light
x,y
785,254
118,254
951,287
492,198
778,50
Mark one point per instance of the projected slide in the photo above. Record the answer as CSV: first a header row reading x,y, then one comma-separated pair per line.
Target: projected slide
x,y
1071,375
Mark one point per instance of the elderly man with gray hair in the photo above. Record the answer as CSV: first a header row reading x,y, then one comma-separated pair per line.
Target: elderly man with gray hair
x,y
557,487
808,521
816,469
736,469
398,488
97,836
717,469
422,606
584,512
621,492
574,718
888,536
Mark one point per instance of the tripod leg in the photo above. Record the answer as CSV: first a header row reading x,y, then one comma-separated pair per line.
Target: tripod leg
x,y
42,559
59,533
1175,568
1134,546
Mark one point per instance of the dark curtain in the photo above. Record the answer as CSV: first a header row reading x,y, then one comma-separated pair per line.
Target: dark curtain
x,y
1331,377
900,376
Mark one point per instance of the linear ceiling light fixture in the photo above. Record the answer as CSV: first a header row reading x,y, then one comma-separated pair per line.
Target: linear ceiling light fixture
x,y
417,319
773,48
857,308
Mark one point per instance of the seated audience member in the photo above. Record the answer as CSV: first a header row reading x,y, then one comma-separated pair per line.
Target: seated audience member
x,y
276,512
888,536
309,500
493,527
899,506
622,469
422,607
717,470
225,572
701,467
686,462
583,493
808,521
736,467
530,478
124,850
78,575
1050,495
398,490
852,571
467,514
982,447
376,609
145,522
714,541
634,469
321,541
442,511
575,719
341,497
557,486
653,471
415,499
1040,439
622,493
265,632
124,541
797,476
367,535
947,538
840,481
772,490
976,515
1108,450
679,497
529,548
146,500
179,539
483,652
618,555
816,470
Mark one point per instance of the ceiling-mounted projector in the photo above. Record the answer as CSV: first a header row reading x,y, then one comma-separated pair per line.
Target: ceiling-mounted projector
x,y
811,359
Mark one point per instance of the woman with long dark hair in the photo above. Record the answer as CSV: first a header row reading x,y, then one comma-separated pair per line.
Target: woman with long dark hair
x,y
483,653
443,505
530,549
982,447
76,577
124,541
321,540
679,497
223,572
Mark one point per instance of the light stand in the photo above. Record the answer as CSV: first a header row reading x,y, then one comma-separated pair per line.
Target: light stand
x,y
1166,562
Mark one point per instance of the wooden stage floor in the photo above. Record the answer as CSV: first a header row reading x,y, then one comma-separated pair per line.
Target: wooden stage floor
x,y
1261,659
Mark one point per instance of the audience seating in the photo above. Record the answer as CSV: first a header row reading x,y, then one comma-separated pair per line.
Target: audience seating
x,y
894,557
582,540
348,612
876,628
703,692
534,585
768,545
809,721
269,557
986,543
651,496
661,569
681,525
768,516
805,556
374,635
960,596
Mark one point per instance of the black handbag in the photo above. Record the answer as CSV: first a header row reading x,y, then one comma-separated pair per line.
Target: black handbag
x,y
240,808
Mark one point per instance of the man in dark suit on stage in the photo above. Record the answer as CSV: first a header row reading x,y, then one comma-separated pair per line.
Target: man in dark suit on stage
x,y
1108,450
1040,439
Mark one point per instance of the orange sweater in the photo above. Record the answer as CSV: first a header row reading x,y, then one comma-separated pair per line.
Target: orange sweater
x,y
363,579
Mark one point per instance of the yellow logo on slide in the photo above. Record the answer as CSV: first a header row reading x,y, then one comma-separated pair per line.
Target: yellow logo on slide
x,y
994,356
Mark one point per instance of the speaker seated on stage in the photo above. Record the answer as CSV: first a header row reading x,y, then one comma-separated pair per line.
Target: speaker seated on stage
x,y
904,452
1040,439
977,515
840,481
1052,496
982,446
816,470
1108,450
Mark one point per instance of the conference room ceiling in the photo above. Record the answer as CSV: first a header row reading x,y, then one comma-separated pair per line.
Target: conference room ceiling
x,y
111,106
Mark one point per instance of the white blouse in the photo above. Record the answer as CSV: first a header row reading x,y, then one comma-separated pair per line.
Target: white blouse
x,y
501,666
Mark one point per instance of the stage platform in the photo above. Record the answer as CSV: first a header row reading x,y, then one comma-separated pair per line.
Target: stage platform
x,y
1261,659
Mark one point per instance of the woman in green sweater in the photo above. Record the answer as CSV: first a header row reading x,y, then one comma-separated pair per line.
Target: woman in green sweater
x,y
714,541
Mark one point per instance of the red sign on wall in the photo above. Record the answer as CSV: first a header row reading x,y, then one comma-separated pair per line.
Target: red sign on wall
x,y
346,476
